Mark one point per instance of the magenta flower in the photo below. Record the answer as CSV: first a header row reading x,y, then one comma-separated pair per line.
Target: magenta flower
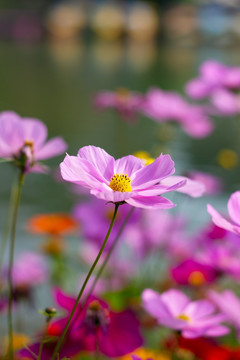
x,y
123,180
164,106
234,212
229,304
191,272
125,102
174,309
95,326
23,140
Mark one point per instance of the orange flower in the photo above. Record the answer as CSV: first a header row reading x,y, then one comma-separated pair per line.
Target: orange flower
x,y
52,224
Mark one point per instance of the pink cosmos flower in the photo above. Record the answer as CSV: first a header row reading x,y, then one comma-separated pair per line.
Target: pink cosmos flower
x,y
23,140
219,249
95,326
124,180
234,212
164,106
191,272
174,309
229,304
125,102
219,82
30,269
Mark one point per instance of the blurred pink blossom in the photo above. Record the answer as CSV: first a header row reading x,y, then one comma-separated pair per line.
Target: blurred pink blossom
x,y
175,310
23,140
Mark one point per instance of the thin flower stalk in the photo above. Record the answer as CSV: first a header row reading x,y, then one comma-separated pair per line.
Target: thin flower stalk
x,y
111,249
102,267
11,261
7,226
61,339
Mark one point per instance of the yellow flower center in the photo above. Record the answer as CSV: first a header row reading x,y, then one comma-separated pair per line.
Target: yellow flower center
x,y
196,278
183,317
120,182
123,94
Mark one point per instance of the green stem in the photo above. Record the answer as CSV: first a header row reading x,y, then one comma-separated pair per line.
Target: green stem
x,y
102,267
11,260
43,340
59,343
6,229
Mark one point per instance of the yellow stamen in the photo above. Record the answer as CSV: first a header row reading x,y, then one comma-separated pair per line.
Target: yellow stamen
x,y
196,278
120,182
123,94
94,305
29,144
183,317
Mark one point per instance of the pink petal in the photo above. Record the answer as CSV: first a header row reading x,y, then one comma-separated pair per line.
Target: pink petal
x,y
64,301
190,187
53,147
160,189
228,303
176,301
198,309
34,130
152,303
234,207
106,193
150,202
220,221
12,137
218,330
80,171
100,160
151,174
127,165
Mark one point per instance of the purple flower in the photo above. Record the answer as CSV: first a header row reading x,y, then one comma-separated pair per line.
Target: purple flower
x,y
23,140
102,214
124,180
125,102
174,309
191,272
165,106
234,212
229,304
95,326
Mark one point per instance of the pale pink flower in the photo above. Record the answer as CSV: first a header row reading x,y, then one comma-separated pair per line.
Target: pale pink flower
x,y
175,310
23,140
123,180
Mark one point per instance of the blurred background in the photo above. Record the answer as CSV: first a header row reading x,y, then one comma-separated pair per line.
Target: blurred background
x,y
56,55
